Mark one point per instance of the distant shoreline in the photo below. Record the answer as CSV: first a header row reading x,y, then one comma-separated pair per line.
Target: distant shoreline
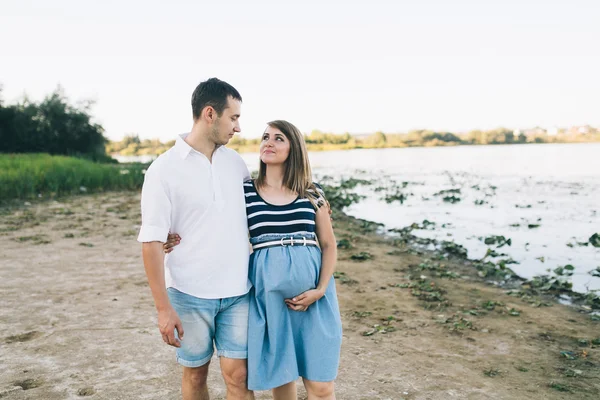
x,y
332,147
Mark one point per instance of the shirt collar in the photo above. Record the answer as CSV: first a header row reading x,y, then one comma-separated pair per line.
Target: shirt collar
x,y
183,149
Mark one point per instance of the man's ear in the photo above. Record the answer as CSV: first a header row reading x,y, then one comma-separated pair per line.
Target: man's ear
x,y
209,113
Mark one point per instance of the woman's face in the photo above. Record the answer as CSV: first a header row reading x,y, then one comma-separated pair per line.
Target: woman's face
x,y
274,147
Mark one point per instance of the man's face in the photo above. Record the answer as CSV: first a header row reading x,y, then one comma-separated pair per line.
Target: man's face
x,y
228,123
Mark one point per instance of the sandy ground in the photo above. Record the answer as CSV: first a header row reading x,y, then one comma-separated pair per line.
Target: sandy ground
x,y
77,320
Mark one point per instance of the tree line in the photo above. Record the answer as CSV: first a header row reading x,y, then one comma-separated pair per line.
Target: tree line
x,y
317,140
52,126
55,126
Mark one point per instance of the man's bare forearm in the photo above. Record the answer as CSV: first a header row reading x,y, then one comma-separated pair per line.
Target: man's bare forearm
x,y
153,256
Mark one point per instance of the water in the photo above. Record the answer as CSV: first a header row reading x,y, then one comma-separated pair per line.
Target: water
x,y
555,186
133,159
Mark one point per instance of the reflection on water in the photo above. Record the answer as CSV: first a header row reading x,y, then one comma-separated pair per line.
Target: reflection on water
x,y
131,159
543,197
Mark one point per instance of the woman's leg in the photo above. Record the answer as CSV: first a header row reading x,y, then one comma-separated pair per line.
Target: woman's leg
x,y
319,390
285,392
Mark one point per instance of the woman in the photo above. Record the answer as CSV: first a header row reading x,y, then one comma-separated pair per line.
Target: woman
x,y
294,327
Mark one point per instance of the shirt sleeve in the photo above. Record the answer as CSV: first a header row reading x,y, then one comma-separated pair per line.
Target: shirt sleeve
x,y
244,168
156,208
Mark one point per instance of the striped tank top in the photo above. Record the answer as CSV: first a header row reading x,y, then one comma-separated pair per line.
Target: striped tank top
x,y
295,218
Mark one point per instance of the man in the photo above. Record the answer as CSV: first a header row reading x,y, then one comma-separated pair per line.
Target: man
x,y
201,290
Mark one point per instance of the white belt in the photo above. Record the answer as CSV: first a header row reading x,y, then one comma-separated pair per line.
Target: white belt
x,y
286,242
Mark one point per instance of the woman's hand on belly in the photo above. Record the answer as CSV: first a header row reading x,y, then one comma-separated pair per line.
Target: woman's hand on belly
x,y
304,300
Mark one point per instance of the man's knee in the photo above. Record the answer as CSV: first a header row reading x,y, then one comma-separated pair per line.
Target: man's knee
x,y
196,377
236,376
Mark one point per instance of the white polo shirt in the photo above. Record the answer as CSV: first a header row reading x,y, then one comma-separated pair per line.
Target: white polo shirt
x,y
204,203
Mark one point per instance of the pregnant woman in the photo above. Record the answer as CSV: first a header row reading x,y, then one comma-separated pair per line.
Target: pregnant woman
x,y
294,324
294,327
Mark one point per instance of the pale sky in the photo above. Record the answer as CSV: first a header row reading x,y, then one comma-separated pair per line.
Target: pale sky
x,y
337,66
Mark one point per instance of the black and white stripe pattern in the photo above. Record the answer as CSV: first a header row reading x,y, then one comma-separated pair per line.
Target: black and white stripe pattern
x,y
296,218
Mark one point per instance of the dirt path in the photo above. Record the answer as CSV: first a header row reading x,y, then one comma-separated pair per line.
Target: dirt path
x,y
77,319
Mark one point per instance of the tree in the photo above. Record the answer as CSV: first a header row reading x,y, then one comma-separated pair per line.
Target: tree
x,y
377,139
51,126
315,137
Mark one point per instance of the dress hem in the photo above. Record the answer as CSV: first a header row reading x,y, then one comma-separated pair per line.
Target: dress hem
x,y
293,380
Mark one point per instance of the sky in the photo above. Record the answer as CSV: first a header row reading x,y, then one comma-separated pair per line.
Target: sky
x,y
337,66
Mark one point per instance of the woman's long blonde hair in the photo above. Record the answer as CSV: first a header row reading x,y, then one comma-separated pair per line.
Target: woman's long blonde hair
x,y
297,176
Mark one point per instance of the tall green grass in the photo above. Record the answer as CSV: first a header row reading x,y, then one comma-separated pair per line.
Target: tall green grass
x,y
26,176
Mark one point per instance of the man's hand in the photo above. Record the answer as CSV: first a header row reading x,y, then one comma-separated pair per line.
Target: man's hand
x,y
304,300
168,321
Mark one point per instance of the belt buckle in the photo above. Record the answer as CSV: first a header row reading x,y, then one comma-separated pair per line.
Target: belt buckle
x,y
281,242
304,241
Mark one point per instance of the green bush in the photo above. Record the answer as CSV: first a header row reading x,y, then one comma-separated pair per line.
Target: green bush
x,y
26,176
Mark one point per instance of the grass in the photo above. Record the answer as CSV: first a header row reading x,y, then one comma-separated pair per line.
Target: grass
x,y
559,387
343,278
491,372
35,239
362,256
28,176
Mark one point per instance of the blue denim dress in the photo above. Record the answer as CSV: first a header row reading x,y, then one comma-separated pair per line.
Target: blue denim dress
x,y
283,344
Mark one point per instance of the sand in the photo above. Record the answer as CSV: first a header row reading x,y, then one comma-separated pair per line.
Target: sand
x,y
77,319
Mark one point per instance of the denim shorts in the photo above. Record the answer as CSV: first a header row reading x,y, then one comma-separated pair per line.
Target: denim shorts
x,y
224,321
